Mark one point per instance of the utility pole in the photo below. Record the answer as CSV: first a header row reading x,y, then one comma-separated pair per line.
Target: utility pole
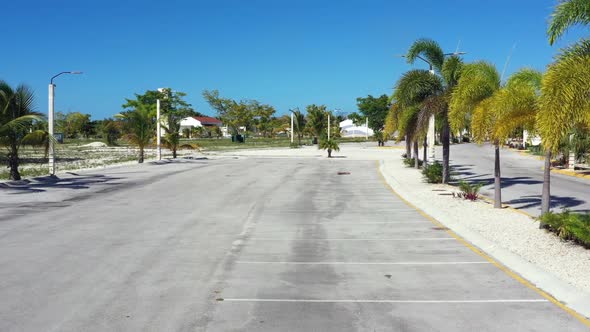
x,y
367,128
158,131
328,126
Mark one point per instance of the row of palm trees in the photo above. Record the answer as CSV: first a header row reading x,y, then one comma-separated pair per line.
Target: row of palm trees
x,y
475,96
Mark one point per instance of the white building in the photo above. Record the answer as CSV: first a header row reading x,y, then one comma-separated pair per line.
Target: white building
x,y
349,129
199,121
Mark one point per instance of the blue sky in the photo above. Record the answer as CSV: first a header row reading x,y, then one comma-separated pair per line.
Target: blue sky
x,y
284,53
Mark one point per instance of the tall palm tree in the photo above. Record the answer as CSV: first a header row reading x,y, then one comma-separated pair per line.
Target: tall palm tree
x,y
566,14
430,89
495,111
299,124
140,124
564,98
317,117
16,118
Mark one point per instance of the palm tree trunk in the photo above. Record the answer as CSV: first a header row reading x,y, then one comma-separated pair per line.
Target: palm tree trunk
x,y
416,156
446,150
497,178
408,148
425,150
140,155
174,152
329,153
13,164
546,196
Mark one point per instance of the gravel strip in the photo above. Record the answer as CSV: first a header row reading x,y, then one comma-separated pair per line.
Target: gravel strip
x,y
506,228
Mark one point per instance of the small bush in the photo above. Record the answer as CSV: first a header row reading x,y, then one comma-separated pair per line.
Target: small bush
x,y
569,226
468,191
433,173
294,146
411,163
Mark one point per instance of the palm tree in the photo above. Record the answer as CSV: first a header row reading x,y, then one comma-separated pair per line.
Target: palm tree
x,y
299,124
430,90
16,119
566,14
495,111
140,124
317,120
564,96
330,145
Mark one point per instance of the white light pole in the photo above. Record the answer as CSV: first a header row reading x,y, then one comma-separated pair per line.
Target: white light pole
x,y
50,117
158,131
367,128
292,127
328,126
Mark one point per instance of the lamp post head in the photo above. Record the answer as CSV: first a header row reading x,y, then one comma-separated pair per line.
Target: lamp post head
x,y
75,72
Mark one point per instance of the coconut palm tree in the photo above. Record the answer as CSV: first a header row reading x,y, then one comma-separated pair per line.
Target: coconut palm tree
x,y
140,125
495,111
16,118
430,90
299,124
330,145
317,117
564,96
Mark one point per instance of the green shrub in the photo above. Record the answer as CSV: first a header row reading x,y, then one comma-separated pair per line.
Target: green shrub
x,y
433,173
468,191
411,163
569,226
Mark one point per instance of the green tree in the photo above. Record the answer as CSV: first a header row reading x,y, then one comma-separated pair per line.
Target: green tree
x,y
139,126
263,117
495,111
329,145
299,123
235,115
317,117
173,109
564,95
427,92
375,109
17,116
357,119
110,130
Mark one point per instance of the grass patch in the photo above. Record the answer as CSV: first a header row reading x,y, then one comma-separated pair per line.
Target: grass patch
x,y
569,226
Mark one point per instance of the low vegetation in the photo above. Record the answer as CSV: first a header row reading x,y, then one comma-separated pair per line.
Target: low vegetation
x,y
433,173
569,226
469,191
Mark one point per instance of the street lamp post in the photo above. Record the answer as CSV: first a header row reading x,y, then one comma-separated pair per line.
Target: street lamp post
x,y
50,117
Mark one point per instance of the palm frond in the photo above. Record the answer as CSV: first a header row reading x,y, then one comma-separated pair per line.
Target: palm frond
x,y
564,96
415,86
565,15
527,76
478,81
451,70
427,49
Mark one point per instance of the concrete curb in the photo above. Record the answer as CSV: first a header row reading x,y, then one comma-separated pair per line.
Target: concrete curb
x,y
565,293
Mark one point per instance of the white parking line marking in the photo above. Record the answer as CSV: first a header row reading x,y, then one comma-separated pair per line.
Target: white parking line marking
x,y
362,263
405,239
387,301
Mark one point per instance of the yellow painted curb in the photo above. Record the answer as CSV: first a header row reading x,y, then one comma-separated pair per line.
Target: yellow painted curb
x,y
503,268
570,173
391,147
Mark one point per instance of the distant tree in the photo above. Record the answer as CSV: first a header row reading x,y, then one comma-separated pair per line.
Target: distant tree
x,y
110,130
139,126
298,124
375,109
317,117
330,145
17,116
173,109
356,118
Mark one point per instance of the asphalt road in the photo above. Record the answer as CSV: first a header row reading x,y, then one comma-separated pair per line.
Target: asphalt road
x,y
522,179
245,245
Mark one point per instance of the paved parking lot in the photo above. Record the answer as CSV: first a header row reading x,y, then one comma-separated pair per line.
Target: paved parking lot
x,y
253,244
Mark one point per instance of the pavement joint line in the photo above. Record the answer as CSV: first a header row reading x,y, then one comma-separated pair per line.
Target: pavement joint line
x,y
385,301
481,253
362,263
400,239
